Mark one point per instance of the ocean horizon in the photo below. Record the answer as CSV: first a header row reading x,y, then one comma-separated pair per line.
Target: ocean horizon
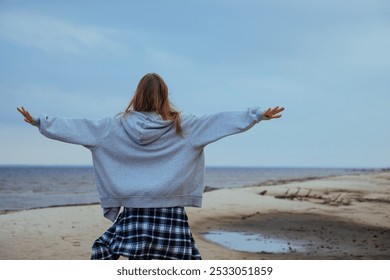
x,y
24,187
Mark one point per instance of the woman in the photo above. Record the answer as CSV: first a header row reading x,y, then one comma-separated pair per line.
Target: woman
x,y
149,160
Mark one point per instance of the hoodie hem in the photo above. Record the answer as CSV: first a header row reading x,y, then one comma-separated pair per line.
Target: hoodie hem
x,y
152,202
111,206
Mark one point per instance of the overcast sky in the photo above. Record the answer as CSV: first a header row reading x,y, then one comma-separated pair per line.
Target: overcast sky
x,y
327,62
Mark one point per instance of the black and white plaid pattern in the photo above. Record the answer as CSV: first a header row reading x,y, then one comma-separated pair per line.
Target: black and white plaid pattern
x,y
148,233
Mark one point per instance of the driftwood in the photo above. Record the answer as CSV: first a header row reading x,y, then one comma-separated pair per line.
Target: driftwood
x,y
335,200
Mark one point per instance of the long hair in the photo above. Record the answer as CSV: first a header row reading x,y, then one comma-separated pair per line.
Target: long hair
x,y
151,95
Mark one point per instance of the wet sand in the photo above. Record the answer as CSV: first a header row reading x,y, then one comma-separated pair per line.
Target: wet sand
x,y
345,217
303,236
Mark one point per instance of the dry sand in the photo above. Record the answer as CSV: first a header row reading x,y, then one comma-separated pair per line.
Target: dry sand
x,y
345,217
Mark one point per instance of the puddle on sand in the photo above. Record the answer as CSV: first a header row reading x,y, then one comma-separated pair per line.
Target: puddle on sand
x,y
254,243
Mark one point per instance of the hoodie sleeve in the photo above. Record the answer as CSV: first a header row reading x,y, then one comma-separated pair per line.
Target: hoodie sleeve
x,y
75,131
210,128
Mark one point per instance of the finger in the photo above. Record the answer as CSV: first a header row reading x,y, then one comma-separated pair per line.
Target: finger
x,y
27,114
272,112
278,111
22,112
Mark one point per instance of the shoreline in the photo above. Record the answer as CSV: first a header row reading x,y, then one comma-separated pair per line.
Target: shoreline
x,y
5,212
362,171
206,190
350,214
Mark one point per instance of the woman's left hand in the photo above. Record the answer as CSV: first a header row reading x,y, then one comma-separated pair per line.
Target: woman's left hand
x,y
27,117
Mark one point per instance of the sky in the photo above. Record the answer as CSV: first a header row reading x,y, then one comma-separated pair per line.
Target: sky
x,y
327,62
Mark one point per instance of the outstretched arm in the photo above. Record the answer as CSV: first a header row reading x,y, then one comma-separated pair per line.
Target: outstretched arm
x,y
210,128
76,131
27,117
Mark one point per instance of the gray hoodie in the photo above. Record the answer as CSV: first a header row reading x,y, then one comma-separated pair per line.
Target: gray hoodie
x,y
140,161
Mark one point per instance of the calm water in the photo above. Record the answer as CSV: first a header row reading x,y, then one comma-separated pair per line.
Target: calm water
x,y
36,187
255,243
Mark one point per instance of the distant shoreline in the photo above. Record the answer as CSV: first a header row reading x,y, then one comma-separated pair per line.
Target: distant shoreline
x,y
21,165
210,189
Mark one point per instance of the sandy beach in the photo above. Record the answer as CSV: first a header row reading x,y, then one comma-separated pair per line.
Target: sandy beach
x,y
343,217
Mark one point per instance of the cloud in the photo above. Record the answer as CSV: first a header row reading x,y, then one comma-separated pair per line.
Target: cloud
x,y
54,35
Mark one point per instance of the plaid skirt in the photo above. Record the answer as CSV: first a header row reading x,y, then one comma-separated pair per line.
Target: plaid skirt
x,y
148,233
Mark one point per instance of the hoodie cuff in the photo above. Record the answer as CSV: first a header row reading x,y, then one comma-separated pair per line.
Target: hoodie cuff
x,y
37,122
263,117
258,114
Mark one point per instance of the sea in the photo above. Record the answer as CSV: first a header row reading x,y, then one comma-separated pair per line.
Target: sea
x,y
30,187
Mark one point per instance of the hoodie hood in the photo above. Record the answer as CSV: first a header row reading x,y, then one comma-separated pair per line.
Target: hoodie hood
x,y
145,127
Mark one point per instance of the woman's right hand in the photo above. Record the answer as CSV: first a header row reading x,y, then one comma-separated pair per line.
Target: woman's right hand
x,y
274,113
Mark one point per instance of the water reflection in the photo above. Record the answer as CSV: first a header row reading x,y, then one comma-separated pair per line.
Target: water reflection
x,y
254,243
